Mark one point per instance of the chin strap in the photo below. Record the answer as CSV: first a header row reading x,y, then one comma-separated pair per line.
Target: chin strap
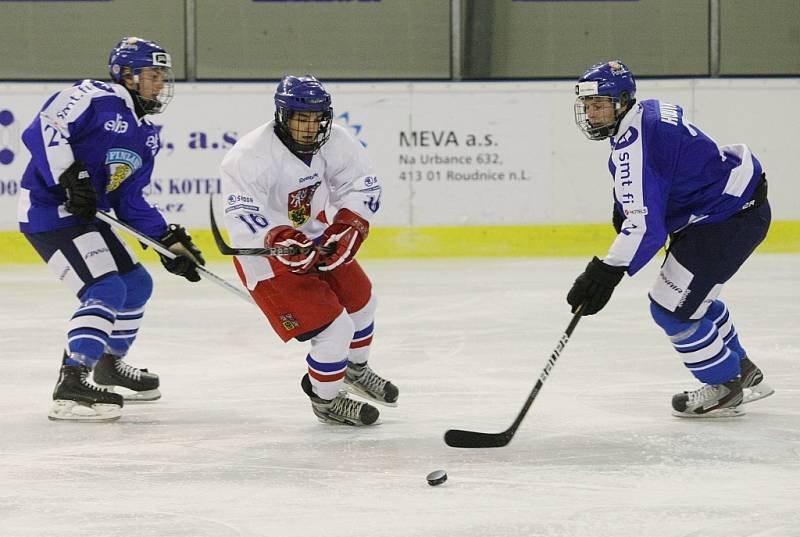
x,y
138,107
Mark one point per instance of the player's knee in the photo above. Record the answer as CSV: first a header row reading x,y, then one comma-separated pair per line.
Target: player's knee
x,y
366,314
668,321
354,287
110,290
333,343
139,285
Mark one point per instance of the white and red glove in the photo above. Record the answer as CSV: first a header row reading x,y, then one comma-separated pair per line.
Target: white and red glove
x,y
288,236
342,239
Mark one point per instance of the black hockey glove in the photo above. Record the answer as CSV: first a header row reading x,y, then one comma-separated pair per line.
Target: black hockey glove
x,y
616,219
594,287
81,197
179,242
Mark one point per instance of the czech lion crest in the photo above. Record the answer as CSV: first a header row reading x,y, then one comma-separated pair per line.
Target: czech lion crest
x,y
299,204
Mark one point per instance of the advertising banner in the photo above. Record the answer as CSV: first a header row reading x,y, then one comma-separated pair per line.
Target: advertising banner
x,y
447,154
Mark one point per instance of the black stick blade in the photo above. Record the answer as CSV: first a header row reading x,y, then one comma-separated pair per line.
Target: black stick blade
x,y
223,248
472,439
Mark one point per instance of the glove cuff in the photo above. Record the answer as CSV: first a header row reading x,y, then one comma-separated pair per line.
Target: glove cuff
x,y
350,218
178,241
274,235
174,234
75,172
604,273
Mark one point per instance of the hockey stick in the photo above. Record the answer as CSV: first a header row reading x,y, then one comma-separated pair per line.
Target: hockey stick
x,y
224,249
161,249
473,439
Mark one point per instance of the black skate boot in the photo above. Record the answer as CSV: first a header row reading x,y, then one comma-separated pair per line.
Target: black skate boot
x,y
75,398
341,409
710,401
361,380
753,382
140,385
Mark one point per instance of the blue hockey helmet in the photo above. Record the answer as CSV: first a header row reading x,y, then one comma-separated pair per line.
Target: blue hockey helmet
x,y
610,82
154,88
303,94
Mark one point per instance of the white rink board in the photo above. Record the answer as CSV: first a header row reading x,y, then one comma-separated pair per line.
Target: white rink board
x,y
502,153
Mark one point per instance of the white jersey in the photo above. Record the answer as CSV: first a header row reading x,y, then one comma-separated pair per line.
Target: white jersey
x,y
266,185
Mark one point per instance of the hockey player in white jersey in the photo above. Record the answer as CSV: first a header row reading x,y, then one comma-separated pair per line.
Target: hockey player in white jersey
x,y
672,180
300,180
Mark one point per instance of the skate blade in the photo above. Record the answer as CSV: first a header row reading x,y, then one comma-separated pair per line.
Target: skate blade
x,y
66,410
757,392
345,422
365,395
132,396
721,413
149,395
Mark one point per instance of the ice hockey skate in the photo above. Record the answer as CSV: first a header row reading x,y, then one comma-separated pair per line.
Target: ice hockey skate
x,y
76,399
753,385
341,409
361,380
710,401
112,372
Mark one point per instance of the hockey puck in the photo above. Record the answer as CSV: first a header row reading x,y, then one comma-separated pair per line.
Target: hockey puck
x,y
437,477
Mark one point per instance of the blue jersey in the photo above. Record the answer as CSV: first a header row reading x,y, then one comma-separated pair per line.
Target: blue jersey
x,y
95,123
669,175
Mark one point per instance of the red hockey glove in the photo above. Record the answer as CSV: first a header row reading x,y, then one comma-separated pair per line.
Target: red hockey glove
x,y
288,236
342,239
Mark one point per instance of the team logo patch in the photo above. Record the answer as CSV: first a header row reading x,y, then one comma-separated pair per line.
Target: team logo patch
x,y
299,208
162,59
239,198
122,163
241,201
627,138
288,321
630,212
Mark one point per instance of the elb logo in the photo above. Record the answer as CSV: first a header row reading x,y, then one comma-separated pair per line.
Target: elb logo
x,y
8,137
116,125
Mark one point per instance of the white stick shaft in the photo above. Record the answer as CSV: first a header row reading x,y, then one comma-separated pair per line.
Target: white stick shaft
x,y
160,248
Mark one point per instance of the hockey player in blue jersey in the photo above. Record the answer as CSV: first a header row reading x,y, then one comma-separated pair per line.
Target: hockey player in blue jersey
x,y
93,148
672,181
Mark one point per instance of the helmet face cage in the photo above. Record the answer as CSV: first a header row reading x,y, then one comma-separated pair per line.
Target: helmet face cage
x,y
595,131
148,67
282,118
611,81
303,94
144,82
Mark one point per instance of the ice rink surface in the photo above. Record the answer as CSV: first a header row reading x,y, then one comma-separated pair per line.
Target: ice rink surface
x,y
232,448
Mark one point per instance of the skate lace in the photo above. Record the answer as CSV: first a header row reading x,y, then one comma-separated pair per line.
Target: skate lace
x,y
128,370
372,380
709,391
346,407
89,385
